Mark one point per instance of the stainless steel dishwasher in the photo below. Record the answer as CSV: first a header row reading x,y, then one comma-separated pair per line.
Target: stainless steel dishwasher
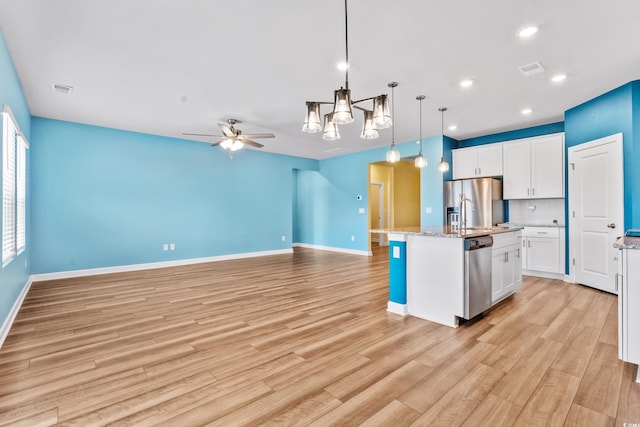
x,y
477,275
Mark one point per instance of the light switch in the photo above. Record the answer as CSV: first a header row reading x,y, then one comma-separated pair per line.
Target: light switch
x,y
165,247
428,210
172,246
396,252
361,210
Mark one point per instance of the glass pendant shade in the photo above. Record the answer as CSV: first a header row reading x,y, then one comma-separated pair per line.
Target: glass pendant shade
x,y
342,113
443,166
331,132
393,155
420,161
381,112
369,129
312,122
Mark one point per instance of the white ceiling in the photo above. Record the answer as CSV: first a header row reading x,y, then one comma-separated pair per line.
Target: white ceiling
x,y
171,66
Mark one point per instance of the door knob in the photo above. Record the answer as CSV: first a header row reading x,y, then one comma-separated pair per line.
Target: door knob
x,y
612,225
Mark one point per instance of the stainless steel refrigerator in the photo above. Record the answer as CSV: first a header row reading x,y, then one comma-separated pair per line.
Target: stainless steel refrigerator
x,y
480,197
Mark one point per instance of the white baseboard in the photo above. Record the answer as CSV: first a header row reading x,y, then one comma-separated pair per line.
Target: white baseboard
x,y
396,308
333,249
8,322
559,276
151,265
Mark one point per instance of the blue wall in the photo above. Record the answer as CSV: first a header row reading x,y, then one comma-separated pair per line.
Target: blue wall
x,y
15,274
513,134
610,113
103,197
327,199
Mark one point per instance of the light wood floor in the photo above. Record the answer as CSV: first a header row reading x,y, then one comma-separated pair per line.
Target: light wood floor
x,y
305,339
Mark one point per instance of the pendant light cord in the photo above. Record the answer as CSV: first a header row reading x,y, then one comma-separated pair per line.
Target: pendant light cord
x,y
420,99
346,46
393,116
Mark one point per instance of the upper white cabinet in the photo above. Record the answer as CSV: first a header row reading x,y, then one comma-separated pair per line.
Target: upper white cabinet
x,y
476,162
533,168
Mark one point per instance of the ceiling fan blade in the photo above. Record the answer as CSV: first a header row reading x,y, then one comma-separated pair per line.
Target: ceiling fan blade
x,y
256,135
200,134
226,130
252,143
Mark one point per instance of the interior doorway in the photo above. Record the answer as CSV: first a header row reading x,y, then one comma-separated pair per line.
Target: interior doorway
x,y
394,197
377,212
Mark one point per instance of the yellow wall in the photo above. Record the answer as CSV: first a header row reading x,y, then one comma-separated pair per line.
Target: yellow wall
x,y
406,195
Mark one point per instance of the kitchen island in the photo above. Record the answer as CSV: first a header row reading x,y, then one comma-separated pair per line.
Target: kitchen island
x,y
435,273
628,286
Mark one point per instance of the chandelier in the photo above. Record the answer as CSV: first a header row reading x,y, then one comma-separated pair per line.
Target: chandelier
x,y
378,117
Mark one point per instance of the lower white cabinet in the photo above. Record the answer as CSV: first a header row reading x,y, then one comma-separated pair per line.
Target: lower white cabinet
x,y
543,249
506,265
628,283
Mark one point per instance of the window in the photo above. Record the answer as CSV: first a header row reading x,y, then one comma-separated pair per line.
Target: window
x,y
14,170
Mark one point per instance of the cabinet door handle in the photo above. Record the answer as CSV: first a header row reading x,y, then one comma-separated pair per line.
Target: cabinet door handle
x,y
506,254
523,243
479,171
528,191
533,191
528,243
475,171
518,254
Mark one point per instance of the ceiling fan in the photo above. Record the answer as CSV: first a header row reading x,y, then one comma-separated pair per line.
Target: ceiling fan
x,y
233,139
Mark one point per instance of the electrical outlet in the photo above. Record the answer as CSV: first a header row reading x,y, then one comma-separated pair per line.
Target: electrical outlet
x,y
172,246
165,246
284,238
353,238
428,210
361,210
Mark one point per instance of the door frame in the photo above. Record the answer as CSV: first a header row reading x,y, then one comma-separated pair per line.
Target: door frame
x,y
618,145
381,211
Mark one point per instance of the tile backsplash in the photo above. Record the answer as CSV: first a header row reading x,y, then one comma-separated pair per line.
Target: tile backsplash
x,y
536,211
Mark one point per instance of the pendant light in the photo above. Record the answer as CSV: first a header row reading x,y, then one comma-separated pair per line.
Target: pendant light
x,y
421,160
342,111
393,155
443,166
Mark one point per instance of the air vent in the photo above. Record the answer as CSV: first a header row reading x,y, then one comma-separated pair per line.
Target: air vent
x,y
63,89
529,70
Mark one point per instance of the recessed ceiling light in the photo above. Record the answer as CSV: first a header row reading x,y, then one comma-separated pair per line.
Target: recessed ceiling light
x,y
453,127
527,31
342,66
558,78
526,111
466,83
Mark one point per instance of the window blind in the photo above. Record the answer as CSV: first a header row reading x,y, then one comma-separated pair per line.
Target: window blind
x,y
8,188
21,193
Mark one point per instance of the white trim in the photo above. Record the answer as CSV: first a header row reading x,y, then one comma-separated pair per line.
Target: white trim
x,y
151,265
546,275
8,322
397,308
334,249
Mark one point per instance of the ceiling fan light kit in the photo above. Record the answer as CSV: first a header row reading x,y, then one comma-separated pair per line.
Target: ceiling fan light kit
x,y
343,105
233,139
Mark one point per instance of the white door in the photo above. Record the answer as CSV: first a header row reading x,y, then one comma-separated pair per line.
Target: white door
x,y
596,210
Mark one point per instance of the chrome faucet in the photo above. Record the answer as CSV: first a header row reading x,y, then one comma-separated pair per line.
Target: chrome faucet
x,y
463,209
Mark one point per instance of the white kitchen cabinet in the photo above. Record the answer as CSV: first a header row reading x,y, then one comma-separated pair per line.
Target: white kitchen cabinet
x,y
477,162
506,266
628,284
543,250
534,168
